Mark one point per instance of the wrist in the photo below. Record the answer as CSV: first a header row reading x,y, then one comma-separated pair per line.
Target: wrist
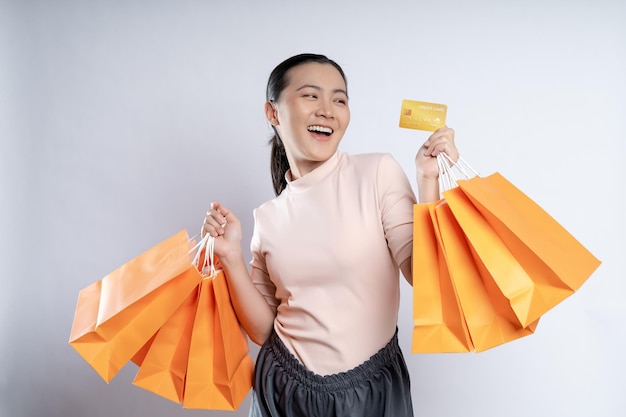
x,y
427,179
231,257
428,189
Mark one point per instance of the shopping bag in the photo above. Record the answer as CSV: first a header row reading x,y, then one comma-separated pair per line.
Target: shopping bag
x,y
164,365
530,294
439,325
219,367
529,231
535,262
489,317
116,316
138,358
142,275
233,375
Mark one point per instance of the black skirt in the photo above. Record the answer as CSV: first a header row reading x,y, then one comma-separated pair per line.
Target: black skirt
x,y
283,387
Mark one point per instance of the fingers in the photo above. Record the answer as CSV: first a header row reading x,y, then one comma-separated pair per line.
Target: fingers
x,y
227,214
442,140
215,220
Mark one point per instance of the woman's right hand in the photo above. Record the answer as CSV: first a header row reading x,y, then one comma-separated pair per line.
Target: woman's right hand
x,y
225,227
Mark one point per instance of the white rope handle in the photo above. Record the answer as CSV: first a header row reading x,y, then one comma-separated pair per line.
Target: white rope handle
x,y
197,248
207,243
209,255
461,165
447,178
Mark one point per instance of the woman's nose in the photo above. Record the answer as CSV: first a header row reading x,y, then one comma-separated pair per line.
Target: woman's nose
x,y
325,109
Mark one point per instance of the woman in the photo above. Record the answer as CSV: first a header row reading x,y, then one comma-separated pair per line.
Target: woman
x,y
322,296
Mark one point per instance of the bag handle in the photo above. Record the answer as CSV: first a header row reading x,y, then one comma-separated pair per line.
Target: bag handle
x,y
196,247
209,256
207,243
447,177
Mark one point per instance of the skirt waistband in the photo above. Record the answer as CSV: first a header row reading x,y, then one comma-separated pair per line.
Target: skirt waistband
x,y
342,380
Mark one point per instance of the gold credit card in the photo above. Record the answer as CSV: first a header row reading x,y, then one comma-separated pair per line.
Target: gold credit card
x,y
422,115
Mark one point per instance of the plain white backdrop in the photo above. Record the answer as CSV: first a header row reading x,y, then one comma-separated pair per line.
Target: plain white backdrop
x,y
121,120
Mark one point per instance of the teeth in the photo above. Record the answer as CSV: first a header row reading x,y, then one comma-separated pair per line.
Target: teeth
x,y
321,129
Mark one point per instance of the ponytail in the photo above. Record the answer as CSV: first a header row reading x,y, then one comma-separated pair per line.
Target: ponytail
x,y
278,164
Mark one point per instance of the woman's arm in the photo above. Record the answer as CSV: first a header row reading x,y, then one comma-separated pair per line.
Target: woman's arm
x,y
253,311
427,175
427,171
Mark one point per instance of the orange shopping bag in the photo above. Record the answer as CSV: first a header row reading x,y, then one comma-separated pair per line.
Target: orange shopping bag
x,y
439,325
116,316
535,262
219,367
163,369
141,354
488,314
200,356
234,375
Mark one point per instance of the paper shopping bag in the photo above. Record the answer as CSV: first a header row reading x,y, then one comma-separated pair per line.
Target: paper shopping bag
x,y
488,314
439,325
234,374
164,366
116,316
533,236
142,275
208,384
138,358
531,288
107,354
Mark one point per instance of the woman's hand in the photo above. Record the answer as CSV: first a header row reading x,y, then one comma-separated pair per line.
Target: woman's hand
x,y
442,140
253,311
225,227
427,170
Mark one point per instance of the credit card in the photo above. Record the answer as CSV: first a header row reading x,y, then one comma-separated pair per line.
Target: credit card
x,y
422,115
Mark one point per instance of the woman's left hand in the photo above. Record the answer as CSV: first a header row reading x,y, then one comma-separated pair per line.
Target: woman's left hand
x,y
442,140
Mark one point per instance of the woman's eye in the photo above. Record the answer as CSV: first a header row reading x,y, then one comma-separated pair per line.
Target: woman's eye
x,y
310,96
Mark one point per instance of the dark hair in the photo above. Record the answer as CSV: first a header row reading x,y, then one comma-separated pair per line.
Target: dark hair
x,y
277,82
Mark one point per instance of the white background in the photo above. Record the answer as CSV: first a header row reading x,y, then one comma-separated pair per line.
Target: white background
x,y
121,120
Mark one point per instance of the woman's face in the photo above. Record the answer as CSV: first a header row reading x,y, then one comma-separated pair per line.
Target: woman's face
x,y
311,115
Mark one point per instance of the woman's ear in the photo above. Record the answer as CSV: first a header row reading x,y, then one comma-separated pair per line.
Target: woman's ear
x,y
270,113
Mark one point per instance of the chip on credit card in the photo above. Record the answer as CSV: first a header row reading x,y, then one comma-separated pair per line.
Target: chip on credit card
x,y
422,115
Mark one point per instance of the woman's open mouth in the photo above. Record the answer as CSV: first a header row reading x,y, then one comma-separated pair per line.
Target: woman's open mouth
x,y
320,129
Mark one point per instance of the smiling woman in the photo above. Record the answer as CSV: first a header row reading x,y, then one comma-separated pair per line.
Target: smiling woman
x,y
304,65
322,297
314,105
